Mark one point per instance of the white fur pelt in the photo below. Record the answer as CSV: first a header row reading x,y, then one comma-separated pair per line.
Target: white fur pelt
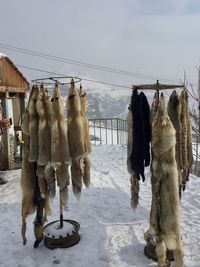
x,y
59,141
28,178
87,143
164,170
75,124
44,131
33,125
63,178
76,176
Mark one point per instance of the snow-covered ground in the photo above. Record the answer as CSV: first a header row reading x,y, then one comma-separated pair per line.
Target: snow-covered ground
x,y
111,232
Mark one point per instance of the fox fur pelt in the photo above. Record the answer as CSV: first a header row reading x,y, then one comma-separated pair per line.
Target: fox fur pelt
x,y
130,140
174,112
183,101
135,188
76,176
33,125
186,138
86,171
59,141
140,154
87,143
25,122
62,175
164,171
44,132
50,178
75,124
28,178
32,183
43,187
133,178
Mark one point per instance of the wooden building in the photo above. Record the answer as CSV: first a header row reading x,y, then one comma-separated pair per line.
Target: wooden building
x,y
13,88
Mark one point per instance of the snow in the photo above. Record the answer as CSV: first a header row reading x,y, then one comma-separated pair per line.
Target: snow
x,y
107,136
2,55
55,230
111,232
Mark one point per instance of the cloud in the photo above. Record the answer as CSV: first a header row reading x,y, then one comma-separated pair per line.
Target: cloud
x,y
156,37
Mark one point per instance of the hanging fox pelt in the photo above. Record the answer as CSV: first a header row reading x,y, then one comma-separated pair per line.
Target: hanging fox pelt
x,y
174,112
186,138
164,170
75,124
133,178
44,111
150,235
87,143
28,176
26,120
33,125
59,141
63,178
130,140
43,187
76,176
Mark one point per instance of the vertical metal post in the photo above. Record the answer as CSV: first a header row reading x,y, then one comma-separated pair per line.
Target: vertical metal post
x,y
111,131
22,110
6,164
197,158
198,137
117,131
106,131
94,133
100,131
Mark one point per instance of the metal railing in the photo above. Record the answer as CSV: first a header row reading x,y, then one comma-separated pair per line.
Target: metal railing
x,y
113,131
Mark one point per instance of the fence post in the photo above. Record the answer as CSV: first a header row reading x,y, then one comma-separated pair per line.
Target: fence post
x,y
100,131
117,132
94,133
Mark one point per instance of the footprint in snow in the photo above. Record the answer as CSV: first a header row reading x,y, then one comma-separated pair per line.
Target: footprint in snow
x,y
105,172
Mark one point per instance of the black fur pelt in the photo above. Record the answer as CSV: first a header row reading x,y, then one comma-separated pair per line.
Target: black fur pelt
x,y
140,155
147,128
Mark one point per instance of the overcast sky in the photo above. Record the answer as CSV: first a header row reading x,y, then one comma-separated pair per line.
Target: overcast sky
x,y
150,37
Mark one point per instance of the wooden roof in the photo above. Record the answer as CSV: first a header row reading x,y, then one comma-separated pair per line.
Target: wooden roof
x,y
11,78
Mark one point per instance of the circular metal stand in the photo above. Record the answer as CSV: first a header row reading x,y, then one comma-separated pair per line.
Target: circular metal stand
x,y
58,79
150,252
56,237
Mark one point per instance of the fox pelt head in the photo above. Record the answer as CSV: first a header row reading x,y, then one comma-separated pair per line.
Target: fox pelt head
x,y
57,104
33,99
161,118
73,100
82,95
43,94
163,132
